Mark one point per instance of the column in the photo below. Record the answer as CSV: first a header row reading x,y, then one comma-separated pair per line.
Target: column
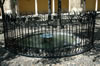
x,y
96,6
53,7
59,8
36,8
7,7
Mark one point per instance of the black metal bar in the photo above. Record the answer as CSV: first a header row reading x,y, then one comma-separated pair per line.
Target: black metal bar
x,y
68,41
59,9
93,27
59,12
49,10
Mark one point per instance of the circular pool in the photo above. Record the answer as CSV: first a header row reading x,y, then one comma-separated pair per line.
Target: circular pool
x,y
51,40
70,35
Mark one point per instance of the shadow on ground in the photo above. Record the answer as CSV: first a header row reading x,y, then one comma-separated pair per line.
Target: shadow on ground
x,y
55,60
5,55
96,50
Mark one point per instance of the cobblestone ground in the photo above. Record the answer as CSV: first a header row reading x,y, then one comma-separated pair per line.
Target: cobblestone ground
x,y
90,58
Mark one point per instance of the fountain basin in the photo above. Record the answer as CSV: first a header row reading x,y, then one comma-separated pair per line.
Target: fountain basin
x,y
51,40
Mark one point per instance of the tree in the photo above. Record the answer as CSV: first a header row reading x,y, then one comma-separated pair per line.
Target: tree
x,y
1,3
1,6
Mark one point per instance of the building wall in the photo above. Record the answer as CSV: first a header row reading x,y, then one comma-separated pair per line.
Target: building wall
x,y
29,6
90,4
75,5
0,12
26,6
56,5
65,5
99,5
7,6
42,6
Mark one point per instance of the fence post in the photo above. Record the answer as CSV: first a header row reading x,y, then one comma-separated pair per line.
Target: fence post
x,y
93,28
59,8
49,9
59,12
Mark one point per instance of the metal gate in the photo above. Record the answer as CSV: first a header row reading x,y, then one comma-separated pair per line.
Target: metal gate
x,y
49,35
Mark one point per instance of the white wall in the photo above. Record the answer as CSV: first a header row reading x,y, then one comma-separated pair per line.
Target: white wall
x,y
7,6
75,5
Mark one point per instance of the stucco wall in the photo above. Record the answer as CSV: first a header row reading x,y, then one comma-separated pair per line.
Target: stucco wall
x,y
0,12
90,4
65,5
26,6
99,5
7,6
75,5
42,6
29,6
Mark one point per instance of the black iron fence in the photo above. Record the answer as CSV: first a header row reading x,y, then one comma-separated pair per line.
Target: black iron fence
x,y
40,37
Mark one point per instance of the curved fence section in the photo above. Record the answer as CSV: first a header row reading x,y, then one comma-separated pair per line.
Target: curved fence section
x,y
40,37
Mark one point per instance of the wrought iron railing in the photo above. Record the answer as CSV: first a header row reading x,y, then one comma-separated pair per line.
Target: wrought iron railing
x,y
49,35
41,37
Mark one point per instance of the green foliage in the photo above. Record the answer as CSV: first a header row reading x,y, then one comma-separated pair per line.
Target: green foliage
x,y
14,1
